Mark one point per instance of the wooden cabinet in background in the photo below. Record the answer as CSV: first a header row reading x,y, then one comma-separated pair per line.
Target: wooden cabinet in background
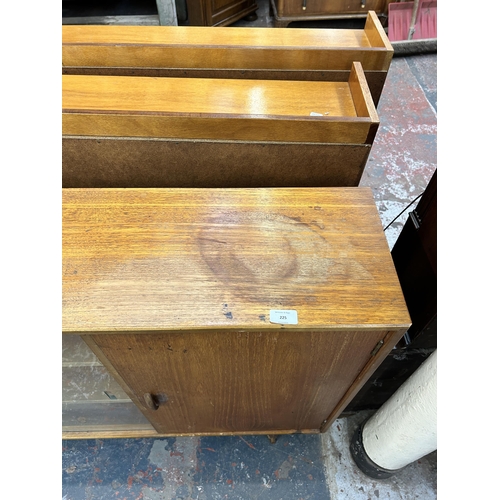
x,y
287,11
175,292
219,12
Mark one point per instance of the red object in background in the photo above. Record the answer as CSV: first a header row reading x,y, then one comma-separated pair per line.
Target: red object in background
x,y
399,21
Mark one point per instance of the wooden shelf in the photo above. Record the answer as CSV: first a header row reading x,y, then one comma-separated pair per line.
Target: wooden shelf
x,y
190,108
190,47
215,133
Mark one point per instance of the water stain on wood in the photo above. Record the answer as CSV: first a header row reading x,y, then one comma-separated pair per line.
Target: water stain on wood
x,y
249,251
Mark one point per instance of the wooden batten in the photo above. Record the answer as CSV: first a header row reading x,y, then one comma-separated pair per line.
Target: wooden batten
x,y
186,108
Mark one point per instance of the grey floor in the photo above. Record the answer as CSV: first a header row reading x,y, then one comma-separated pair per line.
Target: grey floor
x,y
296,467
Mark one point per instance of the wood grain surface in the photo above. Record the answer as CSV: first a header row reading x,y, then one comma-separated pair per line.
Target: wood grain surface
x,y
185,259
207,96
218,108
226,47
375,79
219,382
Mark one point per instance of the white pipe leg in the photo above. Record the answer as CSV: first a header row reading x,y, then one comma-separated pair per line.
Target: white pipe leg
x,y
404,429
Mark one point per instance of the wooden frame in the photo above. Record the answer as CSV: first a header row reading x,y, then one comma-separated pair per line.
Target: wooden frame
x,y
178,307
262,53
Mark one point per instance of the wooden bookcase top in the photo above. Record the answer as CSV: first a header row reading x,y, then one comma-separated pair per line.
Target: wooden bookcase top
x,y
145,260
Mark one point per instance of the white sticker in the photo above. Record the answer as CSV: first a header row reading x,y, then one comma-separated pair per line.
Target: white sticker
x,y
313,113
288,317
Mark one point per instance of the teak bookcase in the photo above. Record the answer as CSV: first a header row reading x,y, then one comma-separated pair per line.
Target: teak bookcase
x,y
332,124
173,290
228,52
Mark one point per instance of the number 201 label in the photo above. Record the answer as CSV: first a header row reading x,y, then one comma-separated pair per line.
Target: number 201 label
x,y
288,317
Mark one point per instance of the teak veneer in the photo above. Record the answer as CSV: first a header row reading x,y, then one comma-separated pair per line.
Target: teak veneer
x,y
192,108
262,53
173,289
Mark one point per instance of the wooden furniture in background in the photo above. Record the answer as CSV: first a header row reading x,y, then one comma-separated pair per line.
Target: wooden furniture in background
x,y
173,291
219,12
264,123
287,11
246,53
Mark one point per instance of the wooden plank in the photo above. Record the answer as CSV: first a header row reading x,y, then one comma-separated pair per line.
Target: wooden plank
x,y
224,258
361,94
378,38
211,109
224,48
376,34
106,162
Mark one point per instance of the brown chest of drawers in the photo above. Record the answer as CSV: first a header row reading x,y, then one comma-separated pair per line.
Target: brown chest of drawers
x,y
287,11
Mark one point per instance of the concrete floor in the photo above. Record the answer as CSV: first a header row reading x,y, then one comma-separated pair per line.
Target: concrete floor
x,y
296,467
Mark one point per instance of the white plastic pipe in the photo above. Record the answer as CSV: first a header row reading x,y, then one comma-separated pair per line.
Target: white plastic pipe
x,y
404,428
